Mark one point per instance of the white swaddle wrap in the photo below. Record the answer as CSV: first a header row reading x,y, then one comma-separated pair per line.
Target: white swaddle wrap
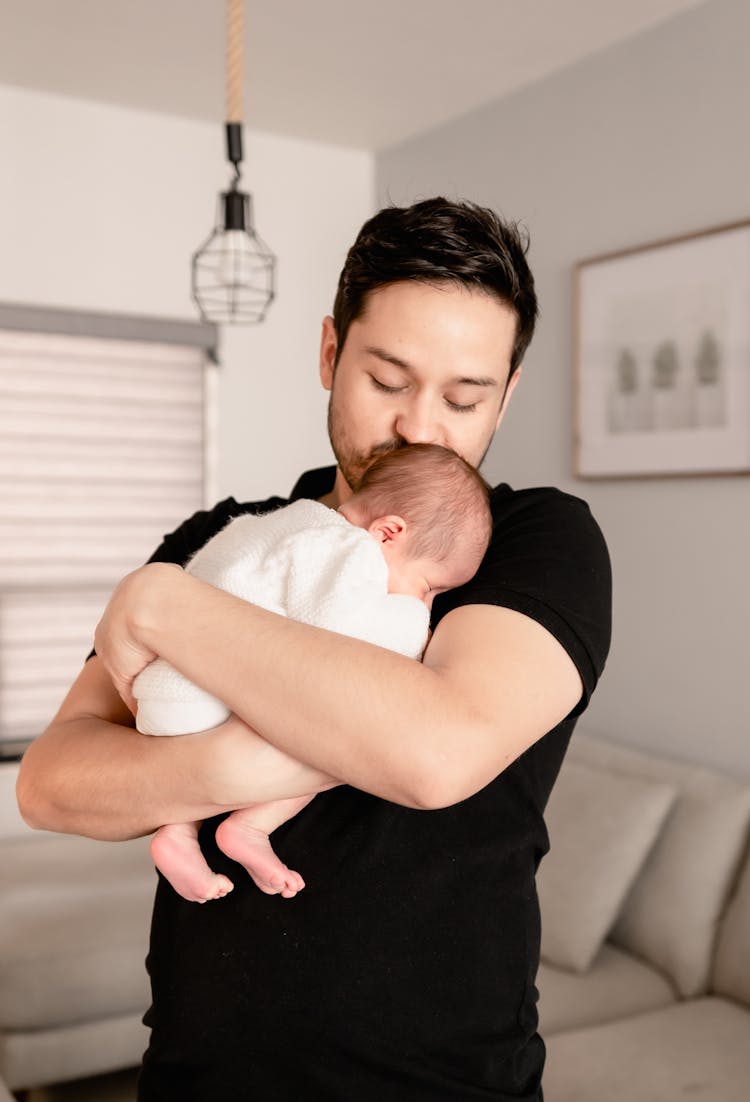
x,y
304,561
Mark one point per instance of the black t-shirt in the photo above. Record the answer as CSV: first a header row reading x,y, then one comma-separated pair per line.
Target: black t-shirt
x,y
405,969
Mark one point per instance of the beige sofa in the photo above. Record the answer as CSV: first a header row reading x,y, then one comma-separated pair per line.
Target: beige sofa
x,y
74,920
645,980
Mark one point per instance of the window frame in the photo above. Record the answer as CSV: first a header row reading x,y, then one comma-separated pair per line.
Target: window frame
x,y
198,335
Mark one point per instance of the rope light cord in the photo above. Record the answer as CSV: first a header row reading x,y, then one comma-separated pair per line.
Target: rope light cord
x,y
235,58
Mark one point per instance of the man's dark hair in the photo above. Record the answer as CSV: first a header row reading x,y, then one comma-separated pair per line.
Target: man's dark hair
x,y
440,241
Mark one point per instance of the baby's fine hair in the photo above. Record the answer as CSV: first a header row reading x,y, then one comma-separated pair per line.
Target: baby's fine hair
x,y
442,497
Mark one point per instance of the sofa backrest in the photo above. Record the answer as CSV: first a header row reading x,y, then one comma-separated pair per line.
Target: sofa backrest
x,y
671,914
731,973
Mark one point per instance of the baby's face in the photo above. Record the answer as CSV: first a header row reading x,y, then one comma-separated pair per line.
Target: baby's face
x,y
425,578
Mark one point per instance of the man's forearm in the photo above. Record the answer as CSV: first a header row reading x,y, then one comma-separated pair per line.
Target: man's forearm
x,y
353,710
493,681
92,777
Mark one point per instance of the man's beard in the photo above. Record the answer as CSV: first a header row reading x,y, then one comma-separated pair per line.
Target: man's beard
x,y
353,463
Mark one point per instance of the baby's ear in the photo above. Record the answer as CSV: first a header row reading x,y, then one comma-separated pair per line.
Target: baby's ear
x,y
388,529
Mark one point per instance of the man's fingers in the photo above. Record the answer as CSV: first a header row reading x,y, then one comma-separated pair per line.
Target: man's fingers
x,y
123,656
130,701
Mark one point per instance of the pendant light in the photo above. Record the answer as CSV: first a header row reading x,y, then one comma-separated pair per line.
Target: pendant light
x,y
233,272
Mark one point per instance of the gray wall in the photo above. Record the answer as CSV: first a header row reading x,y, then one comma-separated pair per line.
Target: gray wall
x,y
644,141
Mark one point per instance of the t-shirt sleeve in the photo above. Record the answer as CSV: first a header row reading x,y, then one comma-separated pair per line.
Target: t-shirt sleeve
x,y
180,546
548,560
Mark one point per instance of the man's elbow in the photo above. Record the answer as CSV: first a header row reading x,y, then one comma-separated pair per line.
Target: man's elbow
x,y
36,803
440,787
445,780
428,797
35,810
42,813
436,792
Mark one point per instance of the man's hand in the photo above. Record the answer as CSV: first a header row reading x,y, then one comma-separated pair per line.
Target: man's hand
x,y
118,638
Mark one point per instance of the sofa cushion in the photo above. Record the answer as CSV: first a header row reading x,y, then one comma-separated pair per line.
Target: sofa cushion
x,y
43,1056
601,827
74,919
671,914
731,975
615,986
694,1050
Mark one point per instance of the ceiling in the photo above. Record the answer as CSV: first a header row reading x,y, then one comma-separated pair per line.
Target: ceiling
x,y
348,72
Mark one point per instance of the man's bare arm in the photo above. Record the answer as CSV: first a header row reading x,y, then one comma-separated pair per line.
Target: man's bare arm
x,y
425,735
92,773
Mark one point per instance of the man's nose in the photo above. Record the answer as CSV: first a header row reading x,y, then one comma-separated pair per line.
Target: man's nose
x,y
418,423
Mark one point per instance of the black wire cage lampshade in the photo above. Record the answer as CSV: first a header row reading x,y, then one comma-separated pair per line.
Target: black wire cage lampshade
x,y
234,271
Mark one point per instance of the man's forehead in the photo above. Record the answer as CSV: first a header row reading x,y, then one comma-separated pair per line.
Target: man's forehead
x,y
422,327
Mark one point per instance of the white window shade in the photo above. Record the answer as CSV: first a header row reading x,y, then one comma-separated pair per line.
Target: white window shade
x,y
102,451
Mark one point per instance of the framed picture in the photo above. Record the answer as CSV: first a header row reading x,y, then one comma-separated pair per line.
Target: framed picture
x,y
663,358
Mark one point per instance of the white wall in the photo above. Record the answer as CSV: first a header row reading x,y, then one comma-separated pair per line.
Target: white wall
x,y
101,209
644,141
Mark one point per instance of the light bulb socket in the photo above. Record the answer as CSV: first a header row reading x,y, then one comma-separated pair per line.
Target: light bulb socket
x,y
234,142
236,210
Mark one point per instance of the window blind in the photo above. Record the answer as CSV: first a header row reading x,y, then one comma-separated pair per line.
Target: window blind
x,y
103,449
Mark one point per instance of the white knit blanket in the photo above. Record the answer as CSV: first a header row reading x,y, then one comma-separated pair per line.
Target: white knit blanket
x,y
304,561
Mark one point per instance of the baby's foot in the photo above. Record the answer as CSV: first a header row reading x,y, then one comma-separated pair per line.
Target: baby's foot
x,y
176,852
251,848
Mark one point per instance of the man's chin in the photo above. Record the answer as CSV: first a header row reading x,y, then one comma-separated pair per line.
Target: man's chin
x,y
353,475
353,469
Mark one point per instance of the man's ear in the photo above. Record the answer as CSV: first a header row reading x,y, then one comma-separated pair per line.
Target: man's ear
x,y
328,345
390,529
512,383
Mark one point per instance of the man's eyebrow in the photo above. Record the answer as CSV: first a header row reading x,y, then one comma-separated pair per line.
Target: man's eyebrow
x,y
389,358
404,365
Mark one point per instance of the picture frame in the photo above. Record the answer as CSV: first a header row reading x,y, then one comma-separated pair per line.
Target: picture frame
x,y
662,358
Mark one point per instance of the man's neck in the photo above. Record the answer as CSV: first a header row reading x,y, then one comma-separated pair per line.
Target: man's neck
x,y
340,493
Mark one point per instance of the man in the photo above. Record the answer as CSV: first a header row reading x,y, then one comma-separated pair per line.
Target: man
x,y
405,970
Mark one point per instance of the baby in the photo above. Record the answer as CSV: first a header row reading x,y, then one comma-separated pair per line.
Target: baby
x,y
419,523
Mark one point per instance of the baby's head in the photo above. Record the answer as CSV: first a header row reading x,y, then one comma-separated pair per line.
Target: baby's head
x,y
429,511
